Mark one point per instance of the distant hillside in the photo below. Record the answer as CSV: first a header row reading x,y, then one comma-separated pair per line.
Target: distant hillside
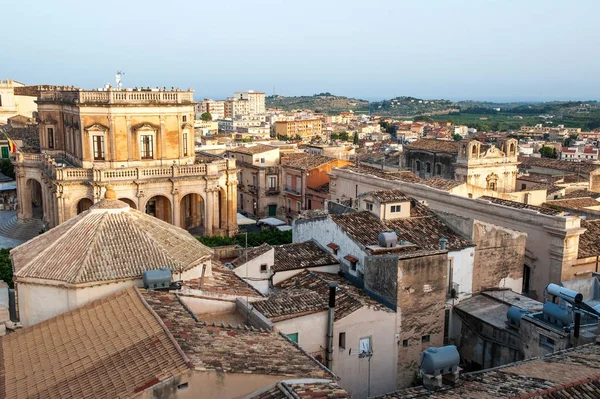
x,y
411,106
323,102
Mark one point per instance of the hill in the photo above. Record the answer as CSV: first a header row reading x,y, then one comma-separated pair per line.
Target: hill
x,y
323,102
409,107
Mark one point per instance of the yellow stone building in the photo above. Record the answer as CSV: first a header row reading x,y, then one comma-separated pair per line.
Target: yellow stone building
x,y
139,140
305,128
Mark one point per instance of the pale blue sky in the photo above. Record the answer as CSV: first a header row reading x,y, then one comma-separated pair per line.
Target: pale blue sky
x,y
455,49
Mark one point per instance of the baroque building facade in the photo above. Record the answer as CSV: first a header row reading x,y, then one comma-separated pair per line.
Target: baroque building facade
x,y
140,141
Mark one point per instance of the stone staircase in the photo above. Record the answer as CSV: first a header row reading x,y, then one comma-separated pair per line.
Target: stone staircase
x,y
23,230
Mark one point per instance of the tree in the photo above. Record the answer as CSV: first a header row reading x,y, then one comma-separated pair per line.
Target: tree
x,y
206,117
7,168
344,136
548,152
456,137
6,272
355,139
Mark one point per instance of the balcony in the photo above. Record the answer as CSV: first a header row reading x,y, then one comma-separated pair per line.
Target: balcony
x,y
252,189
273,191
291,190
60,170
240,186
452,291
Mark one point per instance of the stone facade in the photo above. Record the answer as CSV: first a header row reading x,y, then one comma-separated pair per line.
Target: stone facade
x,y
141,142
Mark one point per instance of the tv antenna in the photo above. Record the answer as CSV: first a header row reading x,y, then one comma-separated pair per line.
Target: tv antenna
x,y
118,79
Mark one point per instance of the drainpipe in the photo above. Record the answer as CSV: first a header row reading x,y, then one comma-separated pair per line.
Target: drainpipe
x,y
330,317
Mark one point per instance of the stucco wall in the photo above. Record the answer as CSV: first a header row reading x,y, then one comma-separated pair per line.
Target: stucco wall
x,y
312,332
251,273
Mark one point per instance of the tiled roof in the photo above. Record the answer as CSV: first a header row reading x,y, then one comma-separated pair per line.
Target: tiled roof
x,y
232,349
348,298
108,242
323,188
301,255
110,348
441,183
291,303
252,253
574,203
224,281
254,149
304,161
385,196
434,146
304,390
539,178
405,176
589,241
520,205
581,194
573,373
555,164
424,231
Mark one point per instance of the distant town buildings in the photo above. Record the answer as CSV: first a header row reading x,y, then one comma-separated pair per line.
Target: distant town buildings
x,y
305,129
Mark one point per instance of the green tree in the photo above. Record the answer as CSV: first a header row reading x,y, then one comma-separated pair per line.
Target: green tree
x,y
355,138
456,137
6,272
206,117
7,168
548,152
334,136
344,136
272,237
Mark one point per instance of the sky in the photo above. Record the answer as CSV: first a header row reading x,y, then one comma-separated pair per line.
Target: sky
x,y
496,50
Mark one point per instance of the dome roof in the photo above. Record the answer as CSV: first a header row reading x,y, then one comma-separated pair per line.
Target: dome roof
x,y
108,242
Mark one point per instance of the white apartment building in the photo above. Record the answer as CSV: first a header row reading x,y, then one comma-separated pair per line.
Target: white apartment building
x,y
215,108
579,154
255,99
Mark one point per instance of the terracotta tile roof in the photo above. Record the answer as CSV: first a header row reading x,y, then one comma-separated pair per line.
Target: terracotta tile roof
x,y
589,241
253,252
304,390
405,176
520,205
573,373
301,255
291,302
231,349
107,243
112,347
224,281
304,161
441,183
323,188
539,178
333,246
573,203
386,196
351,258
424,231
348,298
581,194
255,149
434,146
555,164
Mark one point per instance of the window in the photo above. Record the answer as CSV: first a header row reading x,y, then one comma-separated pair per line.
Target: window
x,y
309,204
0,101
298,206
492,186
425,339
184,118
289,205
298,184
293,337
242,202
146,147
428,167
272,181
369,206
405,343
395,208
364,346
523,186
418,163
546,343
98,147
262,160
438,169
185,144
50,137
342,340
264,268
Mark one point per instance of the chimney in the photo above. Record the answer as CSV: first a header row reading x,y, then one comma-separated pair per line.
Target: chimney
x,y
443,243
330,319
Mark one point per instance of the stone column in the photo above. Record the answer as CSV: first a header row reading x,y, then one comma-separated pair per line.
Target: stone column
x,y
24,197
163,140
176,207
216,205
232,207
223,209
209,205
111,137
129,139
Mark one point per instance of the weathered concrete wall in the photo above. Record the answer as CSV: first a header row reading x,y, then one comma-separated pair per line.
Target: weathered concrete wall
x,y
421,305
531,332
499,257
381,276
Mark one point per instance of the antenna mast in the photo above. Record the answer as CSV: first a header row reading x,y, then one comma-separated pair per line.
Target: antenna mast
x,y
118,79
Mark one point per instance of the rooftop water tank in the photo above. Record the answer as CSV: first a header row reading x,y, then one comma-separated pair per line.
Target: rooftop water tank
x,y
564,293
388,239
556,314
159,278
438,361
514,315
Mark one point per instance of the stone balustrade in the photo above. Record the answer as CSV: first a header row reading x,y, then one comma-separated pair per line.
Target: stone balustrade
x,y
119,96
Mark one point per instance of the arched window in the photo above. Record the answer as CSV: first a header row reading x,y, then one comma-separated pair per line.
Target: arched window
x,y
418,164
474,150
512,148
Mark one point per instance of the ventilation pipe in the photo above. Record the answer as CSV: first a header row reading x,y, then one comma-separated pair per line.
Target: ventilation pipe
x,y
202,277
443,243
330,317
